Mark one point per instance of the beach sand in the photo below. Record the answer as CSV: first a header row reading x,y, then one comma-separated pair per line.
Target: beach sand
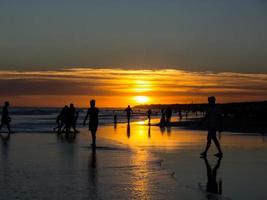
x,y
135,162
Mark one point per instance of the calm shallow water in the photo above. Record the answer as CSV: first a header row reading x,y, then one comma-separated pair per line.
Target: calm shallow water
x,y
136,162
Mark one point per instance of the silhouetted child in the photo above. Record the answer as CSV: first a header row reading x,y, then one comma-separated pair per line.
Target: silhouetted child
x,y
92,113
149,113
213,119
5,120
129,113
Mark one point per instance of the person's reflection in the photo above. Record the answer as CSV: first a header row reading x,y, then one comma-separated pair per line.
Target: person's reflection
x,y
92,176
93,159
5,165
128,130
66,138
5,145
169,131
213,187
162,129
149,133
70,138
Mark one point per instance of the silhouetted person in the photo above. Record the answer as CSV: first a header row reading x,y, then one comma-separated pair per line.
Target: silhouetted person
x,y
72,118
128,130
149,113
213,119
129,113
212,184
5,120
62,119
180,115
115,118
168,114
162,119
92,113
115,121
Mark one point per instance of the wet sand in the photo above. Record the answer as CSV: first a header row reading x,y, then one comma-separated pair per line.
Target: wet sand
x,y
135,162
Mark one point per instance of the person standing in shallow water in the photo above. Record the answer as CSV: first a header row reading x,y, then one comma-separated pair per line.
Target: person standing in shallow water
x,y
5,120
92,113
213,119
149,113
129,113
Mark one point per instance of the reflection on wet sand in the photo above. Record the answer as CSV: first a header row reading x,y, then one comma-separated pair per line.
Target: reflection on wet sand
x,y
92,176
5,165
213,186
136,134
139,185
169,130
128,130
162,129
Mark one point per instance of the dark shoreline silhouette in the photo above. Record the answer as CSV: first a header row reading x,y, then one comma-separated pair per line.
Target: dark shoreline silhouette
x,y
229,125
242,117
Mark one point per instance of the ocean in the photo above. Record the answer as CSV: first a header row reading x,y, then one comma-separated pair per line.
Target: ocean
x,y
43,120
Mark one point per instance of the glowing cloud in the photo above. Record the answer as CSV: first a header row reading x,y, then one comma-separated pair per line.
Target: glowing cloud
x,y
118,87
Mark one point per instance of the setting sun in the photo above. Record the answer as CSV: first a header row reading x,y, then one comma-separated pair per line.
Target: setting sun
x,y
141,99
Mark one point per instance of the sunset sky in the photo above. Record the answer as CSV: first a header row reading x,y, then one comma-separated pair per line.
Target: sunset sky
x,y
119,87
124,52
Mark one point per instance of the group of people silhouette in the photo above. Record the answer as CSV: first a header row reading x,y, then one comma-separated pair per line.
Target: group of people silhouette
x,y
67,119
166,116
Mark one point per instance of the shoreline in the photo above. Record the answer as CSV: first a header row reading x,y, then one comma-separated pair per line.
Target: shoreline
x,y
229,125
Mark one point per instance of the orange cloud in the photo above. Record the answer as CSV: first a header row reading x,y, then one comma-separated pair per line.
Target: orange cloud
x,y
119,87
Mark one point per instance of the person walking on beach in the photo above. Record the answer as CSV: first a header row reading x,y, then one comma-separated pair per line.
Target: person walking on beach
x,y
5,120
149,113
129,113
92,113
213,119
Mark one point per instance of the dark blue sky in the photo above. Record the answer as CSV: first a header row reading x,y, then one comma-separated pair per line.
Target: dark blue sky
x,y
215,35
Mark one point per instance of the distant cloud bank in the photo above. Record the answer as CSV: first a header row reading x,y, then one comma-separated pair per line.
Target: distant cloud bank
x,y
118,87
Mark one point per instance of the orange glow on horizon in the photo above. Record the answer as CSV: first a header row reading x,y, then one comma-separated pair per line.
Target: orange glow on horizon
x,y
119,87
141,99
